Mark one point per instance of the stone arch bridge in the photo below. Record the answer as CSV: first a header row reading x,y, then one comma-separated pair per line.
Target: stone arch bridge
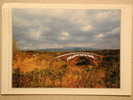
x,y
80,58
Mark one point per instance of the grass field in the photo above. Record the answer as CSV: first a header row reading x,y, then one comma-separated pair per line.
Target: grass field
x,y
38,69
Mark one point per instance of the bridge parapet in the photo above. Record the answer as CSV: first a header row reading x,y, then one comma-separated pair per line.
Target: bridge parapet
x,y
73,58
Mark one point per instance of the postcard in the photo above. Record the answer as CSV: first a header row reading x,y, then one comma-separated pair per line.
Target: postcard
x,y
66,49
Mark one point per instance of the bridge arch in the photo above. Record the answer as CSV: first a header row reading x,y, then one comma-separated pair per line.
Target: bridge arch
x,y
72,58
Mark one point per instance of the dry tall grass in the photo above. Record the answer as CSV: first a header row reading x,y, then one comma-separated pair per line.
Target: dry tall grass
x,y
33,69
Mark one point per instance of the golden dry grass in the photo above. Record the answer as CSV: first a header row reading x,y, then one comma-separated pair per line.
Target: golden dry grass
x,y
34,69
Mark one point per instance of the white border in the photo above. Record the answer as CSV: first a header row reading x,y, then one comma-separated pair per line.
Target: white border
x,y
126,54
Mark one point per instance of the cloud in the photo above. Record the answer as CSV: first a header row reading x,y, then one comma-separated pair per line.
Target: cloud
x,y
57,28
105,15
114,31
33,34
64,35
87,28
99,35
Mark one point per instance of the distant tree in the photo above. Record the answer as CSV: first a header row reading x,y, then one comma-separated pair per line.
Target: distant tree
x,y
14,46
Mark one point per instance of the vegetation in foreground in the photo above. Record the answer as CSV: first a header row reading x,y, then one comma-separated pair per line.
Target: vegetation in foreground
x,y
32,69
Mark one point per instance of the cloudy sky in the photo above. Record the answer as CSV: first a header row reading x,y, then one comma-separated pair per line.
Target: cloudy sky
x,y
58,28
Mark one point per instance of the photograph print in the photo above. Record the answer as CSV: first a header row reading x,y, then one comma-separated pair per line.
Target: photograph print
x,y
66,48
